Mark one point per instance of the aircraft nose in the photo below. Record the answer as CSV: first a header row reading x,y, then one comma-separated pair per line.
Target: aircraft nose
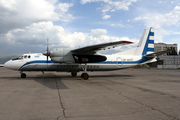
x,y
8,64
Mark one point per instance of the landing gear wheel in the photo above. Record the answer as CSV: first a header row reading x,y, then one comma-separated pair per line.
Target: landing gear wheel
x,y
23,75
74,74
85,76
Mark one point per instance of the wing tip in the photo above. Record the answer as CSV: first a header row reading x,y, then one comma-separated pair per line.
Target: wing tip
x,y
124,41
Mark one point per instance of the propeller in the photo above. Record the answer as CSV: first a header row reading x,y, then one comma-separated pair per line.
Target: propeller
x,y
47,53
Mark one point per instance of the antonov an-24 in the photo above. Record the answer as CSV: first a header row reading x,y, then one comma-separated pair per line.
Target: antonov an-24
x,y
87,58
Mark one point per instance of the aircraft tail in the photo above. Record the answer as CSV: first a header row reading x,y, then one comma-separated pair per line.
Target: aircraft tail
x,y
145,45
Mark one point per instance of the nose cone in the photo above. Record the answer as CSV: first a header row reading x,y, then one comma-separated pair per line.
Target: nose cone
x,y
8,64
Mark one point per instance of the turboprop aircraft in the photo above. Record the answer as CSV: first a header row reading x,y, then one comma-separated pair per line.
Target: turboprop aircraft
x,y
87,58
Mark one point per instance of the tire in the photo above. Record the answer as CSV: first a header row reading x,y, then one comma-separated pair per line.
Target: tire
x,y
74,74
85,76
23,75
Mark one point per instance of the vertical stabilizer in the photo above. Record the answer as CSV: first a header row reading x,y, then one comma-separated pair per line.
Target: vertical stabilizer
x,y
146,44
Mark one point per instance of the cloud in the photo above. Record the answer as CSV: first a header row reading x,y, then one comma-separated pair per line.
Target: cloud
x,y
64,7
37,33
112,5
33,38
118,5
118,25
98,32
106,17
20,13
161,22
62,10
89,1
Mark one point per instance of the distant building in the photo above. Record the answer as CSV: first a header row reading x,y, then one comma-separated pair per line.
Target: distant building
x,y
162,46
170,61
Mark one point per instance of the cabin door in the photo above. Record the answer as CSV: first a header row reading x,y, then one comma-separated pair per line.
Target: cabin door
x,y
119,62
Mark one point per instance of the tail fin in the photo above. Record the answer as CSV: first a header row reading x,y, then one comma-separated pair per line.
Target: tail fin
x,y
145,45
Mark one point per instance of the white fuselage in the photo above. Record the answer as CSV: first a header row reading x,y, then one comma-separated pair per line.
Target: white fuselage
x,y
38,62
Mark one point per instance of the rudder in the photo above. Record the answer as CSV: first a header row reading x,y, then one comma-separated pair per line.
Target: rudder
x,y
146,43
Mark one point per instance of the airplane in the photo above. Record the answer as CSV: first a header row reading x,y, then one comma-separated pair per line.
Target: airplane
x,y
87,58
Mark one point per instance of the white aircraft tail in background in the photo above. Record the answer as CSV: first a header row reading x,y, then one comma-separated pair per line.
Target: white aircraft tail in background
x,y
87,58
145,45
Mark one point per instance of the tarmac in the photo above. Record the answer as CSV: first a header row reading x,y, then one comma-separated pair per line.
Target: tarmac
x,y
139,94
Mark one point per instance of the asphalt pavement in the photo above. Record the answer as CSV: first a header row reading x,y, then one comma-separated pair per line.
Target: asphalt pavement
x,y
139,94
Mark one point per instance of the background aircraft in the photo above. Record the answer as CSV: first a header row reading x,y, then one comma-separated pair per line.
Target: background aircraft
x,y
87,58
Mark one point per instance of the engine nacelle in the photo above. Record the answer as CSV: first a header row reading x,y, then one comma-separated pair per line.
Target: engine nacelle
x,y
66,56
80,58
61,55
57,52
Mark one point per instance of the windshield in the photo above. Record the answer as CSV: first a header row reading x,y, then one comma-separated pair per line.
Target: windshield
x,y
19,58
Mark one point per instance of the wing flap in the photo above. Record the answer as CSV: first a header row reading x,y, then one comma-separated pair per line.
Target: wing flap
x,y
95,48
158,53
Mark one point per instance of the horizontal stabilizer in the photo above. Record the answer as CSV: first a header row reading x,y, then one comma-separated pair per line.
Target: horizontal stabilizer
x,y
158,53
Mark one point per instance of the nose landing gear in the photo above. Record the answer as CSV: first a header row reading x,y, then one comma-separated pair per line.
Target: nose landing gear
x,y
23,75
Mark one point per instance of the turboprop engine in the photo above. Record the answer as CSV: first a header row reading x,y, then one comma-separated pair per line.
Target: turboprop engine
x,y
62,55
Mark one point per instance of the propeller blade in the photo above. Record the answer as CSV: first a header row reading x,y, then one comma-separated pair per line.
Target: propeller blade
x,y
47,46
47,59
48,53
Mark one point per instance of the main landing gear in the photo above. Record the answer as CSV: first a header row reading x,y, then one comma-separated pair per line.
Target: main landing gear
x,y
84,75
23,75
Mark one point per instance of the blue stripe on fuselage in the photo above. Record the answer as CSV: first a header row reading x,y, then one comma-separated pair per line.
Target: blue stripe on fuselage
x,y
36,61
142,60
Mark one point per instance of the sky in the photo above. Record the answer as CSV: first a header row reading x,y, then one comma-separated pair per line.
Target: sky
x,y
25,25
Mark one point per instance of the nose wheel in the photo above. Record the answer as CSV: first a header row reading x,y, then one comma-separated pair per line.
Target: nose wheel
x,y
23,75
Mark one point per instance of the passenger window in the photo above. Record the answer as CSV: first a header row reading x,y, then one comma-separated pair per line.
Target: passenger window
x,y
25,56
29,56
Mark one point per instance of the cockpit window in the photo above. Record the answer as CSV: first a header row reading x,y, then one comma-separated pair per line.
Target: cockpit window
x,y
29,56
25,56
19,58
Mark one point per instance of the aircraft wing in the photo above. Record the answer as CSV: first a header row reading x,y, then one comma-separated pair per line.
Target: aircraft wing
x,y
158,53
95,48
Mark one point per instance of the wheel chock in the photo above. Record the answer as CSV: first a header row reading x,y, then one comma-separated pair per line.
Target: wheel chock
x,y
87,79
